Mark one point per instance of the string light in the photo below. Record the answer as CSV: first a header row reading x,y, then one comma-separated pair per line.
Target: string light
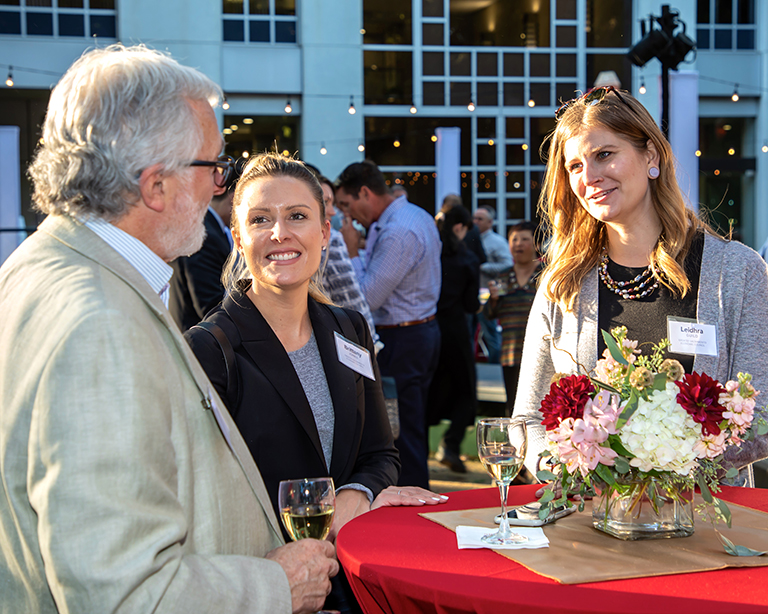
x,y
531,103
471,106
352,109
735,95
9,80
288,107
642,89
225,104
414,110
396,143
765,147
434,138
323,150
361,147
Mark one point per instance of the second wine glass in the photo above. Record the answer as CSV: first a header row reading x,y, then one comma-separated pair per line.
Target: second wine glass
x,y
501,446
307,506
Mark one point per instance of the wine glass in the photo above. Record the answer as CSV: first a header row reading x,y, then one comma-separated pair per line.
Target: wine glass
x,y
501,445
306,507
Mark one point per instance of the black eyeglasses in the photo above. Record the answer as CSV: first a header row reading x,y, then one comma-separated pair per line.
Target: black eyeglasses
x,y
225,169
590,98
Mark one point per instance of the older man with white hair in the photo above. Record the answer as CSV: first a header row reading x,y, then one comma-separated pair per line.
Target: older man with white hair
x,y
124,485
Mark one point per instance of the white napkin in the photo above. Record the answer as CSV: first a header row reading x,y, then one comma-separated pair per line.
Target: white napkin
x,y
470,537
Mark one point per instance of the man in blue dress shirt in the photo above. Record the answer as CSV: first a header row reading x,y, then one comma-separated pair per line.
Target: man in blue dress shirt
x,y
399,273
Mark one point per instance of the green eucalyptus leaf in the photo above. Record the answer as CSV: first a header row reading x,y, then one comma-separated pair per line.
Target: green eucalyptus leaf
x,y
598,384
732,472
621,465
659,382
705,493
543,512
545,453
735,550
762,428
614,442
547,496
724,510
629,409
546,476
613,348
605,474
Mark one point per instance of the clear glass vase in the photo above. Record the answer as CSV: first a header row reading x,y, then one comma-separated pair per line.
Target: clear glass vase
x,y
643,509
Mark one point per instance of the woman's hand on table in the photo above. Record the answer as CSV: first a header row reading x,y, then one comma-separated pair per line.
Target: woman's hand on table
x,y
407,495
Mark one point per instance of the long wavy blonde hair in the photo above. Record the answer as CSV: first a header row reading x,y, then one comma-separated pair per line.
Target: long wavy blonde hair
x,y
262,166
577,239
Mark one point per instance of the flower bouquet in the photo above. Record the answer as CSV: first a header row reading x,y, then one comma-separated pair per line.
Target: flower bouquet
x,y
639,436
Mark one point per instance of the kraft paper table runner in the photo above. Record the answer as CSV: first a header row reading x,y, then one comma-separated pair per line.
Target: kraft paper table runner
x,y
573,541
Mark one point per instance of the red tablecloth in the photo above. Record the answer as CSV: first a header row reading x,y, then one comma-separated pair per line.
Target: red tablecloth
x,y
399,562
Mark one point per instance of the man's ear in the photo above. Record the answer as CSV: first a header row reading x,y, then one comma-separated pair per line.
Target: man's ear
x,y
152,187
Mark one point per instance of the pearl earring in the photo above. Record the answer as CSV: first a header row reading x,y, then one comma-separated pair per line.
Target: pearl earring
x,y
653,172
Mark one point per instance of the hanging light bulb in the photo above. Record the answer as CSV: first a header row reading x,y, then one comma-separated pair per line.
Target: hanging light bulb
x,y
323,150
531,103
352,109
414,110
642,89
288,107
471,105
735,95
225,104
9,80
361,147
765,147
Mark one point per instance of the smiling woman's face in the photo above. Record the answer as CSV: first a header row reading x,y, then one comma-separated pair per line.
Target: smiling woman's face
x,y
280,232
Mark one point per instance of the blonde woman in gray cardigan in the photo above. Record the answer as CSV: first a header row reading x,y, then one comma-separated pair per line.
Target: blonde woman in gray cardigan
x,y
625,250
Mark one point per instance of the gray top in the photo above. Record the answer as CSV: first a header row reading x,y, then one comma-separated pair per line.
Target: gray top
x,y
733,294
499,257
309,367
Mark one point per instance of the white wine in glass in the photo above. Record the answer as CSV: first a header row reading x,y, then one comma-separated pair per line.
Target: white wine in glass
x,y
307,506
501,445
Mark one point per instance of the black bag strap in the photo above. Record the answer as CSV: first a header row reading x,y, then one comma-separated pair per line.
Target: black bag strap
x,y
230,362
345,323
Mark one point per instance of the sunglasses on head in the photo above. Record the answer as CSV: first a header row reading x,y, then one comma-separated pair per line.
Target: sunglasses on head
x,y
591,98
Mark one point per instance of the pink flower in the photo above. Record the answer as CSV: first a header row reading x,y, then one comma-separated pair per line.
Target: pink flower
x,y
710,446
738,411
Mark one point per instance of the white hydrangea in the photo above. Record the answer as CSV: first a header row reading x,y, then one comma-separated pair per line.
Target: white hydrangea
x,y
661,435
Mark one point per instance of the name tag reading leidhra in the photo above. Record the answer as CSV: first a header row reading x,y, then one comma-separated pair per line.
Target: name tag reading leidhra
x,y
353,356
691,337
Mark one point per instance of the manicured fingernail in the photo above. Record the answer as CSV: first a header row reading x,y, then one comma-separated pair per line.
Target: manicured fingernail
x,y
437,498
444,498
422,501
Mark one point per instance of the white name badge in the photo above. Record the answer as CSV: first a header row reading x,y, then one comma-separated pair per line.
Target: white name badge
x,y
353,356
691,337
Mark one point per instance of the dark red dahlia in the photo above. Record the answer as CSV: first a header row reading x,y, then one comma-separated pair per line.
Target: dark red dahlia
x,y
700,396
566,399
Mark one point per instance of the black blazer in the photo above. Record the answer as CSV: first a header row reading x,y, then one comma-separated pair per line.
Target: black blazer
x,y
274,415
196,283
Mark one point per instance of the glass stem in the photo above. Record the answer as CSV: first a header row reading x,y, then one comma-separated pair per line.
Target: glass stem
x,y
504,530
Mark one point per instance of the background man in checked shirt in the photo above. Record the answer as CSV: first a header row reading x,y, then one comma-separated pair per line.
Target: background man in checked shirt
x,y
399,273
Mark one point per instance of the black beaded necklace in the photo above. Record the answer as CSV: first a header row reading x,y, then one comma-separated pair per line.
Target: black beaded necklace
x,y
636,288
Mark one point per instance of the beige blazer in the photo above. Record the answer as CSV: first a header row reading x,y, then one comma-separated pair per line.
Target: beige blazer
x,y
118,490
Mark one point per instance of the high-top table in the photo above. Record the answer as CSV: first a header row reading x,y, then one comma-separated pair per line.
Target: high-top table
x,y
400,563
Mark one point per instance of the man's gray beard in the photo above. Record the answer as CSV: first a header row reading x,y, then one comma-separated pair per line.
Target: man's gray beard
x,y
188,237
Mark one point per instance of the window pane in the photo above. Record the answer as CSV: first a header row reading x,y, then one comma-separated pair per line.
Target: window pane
x,y
102,4
513,94
486,155
540,92
486,127
388,77
460,64
487,64
232,7
70,4
723,39
539,65
233,30
285,31
461,94
745,39
39,3
104,26
258,7
702,38
432,34
565,64
515,127
515,209
387,22
499,23
258,31
71,25
486,181
566,9
702,11
598,62
515,155
515,181
432,8
10,23
746,11
434,94
10,2
285,7
723,11
609,23
566,36
487,94
565,92
40,24
513,64
432,63
540,128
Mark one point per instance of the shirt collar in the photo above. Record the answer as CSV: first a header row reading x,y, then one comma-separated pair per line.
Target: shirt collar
x,y
139,256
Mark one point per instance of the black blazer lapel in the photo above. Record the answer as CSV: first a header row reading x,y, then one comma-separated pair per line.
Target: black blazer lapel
x,y
272,360
344,384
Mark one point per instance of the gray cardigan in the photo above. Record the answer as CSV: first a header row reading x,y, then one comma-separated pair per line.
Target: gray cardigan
x,y
733,294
